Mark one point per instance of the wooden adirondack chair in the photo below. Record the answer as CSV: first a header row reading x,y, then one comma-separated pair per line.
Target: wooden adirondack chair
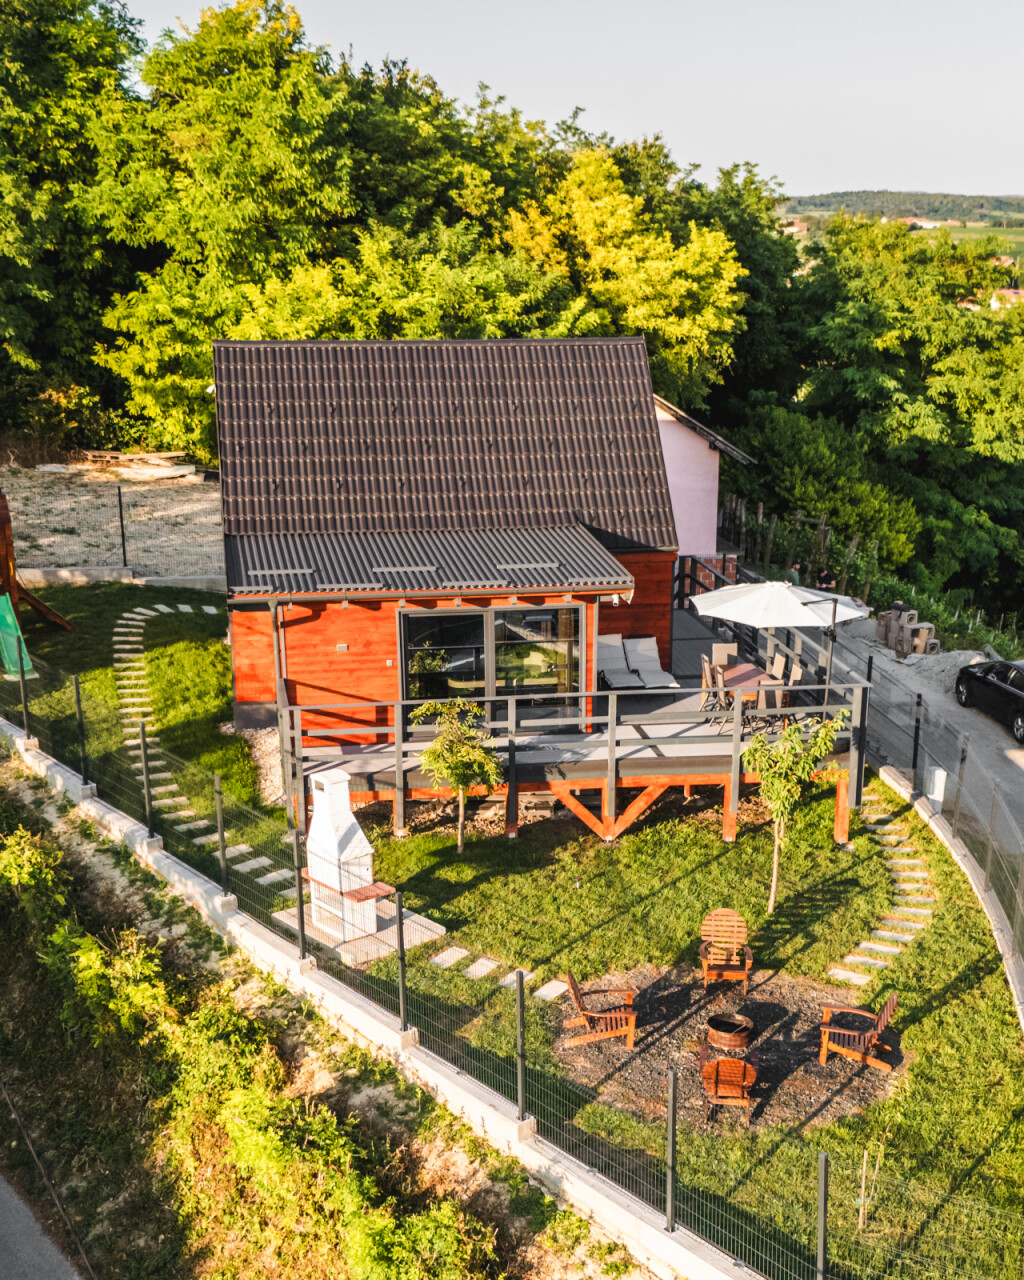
x,y
727,1081
601,1024
858,1045
724,954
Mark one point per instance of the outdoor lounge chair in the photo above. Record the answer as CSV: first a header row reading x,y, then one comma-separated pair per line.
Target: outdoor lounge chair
x,y
612,669
724,954
604,1024
727,1081
642,658
858,1045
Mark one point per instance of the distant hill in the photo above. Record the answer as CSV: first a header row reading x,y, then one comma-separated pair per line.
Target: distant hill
x,y
912,204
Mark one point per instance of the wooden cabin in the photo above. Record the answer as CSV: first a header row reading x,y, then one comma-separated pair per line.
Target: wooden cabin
x,y
433,519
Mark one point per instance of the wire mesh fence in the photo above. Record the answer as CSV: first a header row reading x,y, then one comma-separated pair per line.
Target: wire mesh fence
x,y
161,530
757,1200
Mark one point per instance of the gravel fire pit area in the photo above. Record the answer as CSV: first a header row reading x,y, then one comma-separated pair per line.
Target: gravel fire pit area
x,y
793,1088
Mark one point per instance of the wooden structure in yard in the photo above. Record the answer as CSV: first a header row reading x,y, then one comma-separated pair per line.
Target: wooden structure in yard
x,y
600,1024
724,954
727,1081
860,1045
9,584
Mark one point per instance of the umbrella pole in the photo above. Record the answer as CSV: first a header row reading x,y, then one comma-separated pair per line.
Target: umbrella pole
x,y
831,647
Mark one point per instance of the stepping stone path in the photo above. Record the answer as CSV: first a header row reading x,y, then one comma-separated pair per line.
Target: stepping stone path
x,y
913,900
509,979
552,990
449,956
134,698
481,968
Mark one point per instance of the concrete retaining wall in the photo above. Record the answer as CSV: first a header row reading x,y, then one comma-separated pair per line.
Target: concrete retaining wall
x,y
614,1212
1002,930
82,575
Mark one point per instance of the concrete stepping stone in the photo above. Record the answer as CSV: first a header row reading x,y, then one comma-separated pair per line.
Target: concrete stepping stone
x,y
164,608
449,956
170,802
848,975
252,865
892,936
872,961
159,777
914,911
905,862
509,979
882,947
137,743
133,699
194,826
236,850
481,968
138,664
552,990
184,608
164,789
213,838
146,613
209,608
275,877
183,813
914,897
292,893
903,924
153,764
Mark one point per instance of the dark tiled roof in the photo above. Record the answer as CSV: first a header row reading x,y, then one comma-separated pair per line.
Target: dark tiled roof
x,y
506,559
334,437
712,437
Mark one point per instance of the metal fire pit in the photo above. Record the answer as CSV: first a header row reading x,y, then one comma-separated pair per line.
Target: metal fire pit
x,y
730,1030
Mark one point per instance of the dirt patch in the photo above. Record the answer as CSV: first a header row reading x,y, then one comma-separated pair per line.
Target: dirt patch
x,y
793,1089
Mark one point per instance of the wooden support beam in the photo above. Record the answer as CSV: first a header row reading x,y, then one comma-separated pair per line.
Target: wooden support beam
x,y
639,806
562,790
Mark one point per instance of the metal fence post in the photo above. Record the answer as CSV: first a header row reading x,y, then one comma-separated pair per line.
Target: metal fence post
x,y
990,850
399,715
218,796
21,681
918,702
960,782
80,722
300,893
403,1005
821,1271
670,1155
520,1044
146,790
120,518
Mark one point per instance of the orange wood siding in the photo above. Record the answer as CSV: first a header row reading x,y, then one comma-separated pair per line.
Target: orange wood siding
x,y
650,613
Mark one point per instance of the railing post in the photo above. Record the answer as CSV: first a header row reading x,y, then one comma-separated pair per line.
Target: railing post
x,y
146,789
21,682
399,715
520,1045
80,723
218,797
403,1006
991,836
613,743
670,1155
821,1270
120,518
918,702
960,782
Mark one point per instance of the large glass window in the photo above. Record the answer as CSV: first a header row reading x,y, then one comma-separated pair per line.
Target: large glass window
x,y
444,655
536,651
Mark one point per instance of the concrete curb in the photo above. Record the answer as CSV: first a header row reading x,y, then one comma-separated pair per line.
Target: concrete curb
x,y
82,575
617,1215
1002,929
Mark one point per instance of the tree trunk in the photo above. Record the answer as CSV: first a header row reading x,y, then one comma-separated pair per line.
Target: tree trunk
x,y
462,818
777,831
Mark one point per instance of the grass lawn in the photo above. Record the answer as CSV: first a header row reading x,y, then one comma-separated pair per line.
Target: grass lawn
x,y
952,1126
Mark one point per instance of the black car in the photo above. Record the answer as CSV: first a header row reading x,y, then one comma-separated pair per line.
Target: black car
x,y
995,687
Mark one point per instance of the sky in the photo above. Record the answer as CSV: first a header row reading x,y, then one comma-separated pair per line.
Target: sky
x,y
828,96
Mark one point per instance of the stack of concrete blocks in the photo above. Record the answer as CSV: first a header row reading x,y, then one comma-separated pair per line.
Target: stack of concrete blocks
x,y
340,860
898,629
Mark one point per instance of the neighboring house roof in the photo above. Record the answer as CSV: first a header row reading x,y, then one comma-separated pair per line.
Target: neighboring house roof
x,y
712,437
428,561
360,437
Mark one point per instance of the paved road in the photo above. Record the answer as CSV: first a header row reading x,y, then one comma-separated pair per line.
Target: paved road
x,y
25,1253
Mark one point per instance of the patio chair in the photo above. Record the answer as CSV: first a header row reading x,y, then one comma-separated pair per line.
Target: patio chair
x,y
721,653
642,659
710,700
724,954
727,1081
612,669
724,698
858,1045
601,1024
778,668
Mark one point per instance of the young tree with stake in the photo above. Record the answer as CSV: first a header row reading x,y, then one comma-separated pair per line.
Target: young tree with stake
x,y
785,767
460,754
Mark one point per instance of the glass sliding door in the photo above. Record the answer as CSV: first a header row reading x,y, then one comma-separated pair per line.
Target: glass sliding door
x,y
444,655
536,651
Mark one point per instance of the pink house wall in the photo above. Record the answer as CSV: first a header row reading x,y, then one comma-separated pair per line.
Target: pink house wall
x,y
692,468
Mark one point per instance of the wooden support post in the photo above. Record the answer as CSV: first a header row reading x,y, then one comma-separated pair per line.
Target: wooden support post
x,y
399,715
612,777
841,829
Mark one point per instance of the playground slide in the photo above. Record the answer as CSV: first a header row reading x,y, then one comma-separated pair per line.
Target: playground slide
x,y
10,640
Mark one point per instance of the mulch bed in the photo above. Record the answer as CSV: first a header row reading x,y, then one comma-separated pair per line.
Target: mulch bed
x,y
793,1089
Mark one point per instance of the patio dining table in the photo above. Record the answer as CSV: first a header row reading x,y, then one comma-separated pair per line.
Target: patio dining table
x,y
749,677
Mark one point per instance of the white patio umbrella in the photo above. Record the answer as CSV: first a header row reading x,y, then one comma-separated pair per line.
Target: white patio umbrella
x,y
767,605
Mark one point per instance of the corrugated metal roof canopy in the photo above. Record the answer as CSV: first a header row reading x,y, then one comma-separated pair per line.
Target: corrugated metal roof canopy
x,y
434,561
339,437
